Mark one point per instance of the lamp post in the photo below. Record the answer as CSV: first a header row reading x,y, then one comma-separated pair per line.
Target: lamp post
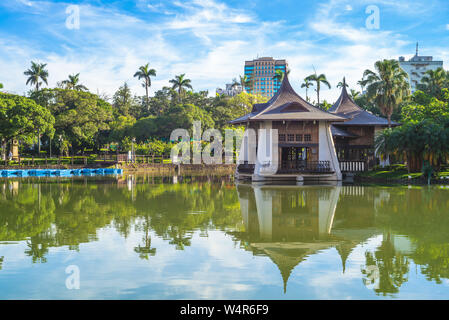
x,y
132,150
60,144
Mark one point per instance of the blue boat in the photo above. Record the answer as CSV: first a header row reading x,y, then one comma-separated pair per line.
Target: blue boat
x,y
59,172
32,173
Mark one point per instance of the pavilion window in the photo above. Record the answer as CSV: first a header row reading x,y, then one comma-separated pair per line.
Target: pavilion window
x,y
307,137
299,137
291,137
282,137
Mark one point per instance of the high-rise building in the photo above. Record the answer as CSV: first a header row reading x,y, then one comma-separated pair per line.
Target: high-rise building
x,y
417,66
261,72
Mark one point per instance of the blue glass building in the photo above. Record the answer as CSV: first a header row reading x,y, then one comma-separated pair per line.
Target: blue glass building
x,y
261,72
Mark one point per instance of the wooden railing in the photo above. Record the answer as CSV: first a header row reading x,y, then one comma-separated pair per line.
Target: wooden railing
x,y
352,166
305,167
143,158
84,160
246,168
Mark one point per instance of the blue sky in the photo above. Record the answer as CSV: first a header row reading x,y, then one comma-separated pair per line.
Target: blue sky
x,y
209,40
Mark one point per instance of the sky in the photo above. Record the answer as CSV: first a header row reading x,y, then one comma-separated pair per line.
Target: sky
x,y
209,40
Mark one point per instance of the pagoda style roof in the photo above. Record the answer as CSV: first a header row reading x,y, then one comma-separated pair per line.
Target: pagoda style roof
x,y
286,104
338,132
356,116
288,255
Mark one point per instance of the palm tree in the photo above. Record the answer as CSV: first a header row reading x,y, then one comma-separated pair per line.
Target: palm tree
x,y
146,73
279,75
306,84
35,73
319,79
355,94
179,83
243,81
433,81
342,84
360,83
388,87
73,83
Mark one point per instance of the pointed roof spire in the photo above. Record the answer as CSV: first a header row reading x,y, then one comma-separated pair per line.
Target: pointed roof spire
x,y
346,107
416,48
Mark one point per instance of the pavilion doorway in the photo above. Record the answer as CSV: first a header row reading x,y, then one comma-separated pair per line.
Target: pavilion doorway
x,y
294,159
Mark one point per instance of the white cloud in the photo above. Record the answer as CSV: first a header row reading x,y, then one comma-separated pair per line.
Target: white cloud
x,y
206,39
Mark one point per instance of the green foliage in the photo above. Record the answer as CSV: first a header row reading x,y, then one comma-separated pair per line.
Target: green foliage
x,y
125,103
145,73
318,79
434,81
36,73
387,87
427,171
158,147
224,109
20,118
80,117
180,84
325,105
121,127
73,83
431,109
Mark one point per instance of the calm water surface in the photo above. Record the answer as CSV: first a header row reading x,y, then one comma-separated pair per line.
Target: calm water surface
x,y
141,237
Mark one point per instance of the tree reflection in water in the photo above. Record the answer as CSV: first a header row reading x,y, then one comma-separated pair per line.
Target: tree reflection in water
x,y
288,224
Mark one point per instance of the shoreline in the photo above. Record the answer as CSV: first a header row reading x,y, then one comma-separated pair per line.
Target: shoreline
x,y
402,181
167,169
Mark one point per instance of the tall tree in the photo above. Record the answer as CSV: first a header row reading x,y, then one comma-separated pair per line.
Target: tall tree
x,y
434,81
36,73
180,83
387,87
306,84
73,83
20,117
125,103
146,73
243,81
318,79
80,117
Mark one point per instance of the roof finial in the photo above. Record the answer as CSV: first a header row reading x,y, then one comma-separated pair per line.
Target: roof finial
x,y
416,48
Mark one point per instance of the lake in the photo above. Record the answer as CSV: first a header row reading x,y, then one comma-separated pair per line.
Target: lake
x,y
145,237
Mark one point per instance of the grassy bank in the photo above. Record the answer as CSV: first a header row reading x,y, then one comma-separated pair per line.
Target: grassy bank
x,y
399,173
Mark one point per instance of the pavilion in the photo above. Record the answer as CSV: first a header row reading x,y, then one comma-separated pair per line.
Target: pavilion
x,y
301,148
354,138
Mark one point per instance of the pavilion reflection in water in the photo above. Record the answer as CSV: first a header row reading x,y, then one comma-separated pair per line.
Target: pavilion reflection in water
x,y
290,223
